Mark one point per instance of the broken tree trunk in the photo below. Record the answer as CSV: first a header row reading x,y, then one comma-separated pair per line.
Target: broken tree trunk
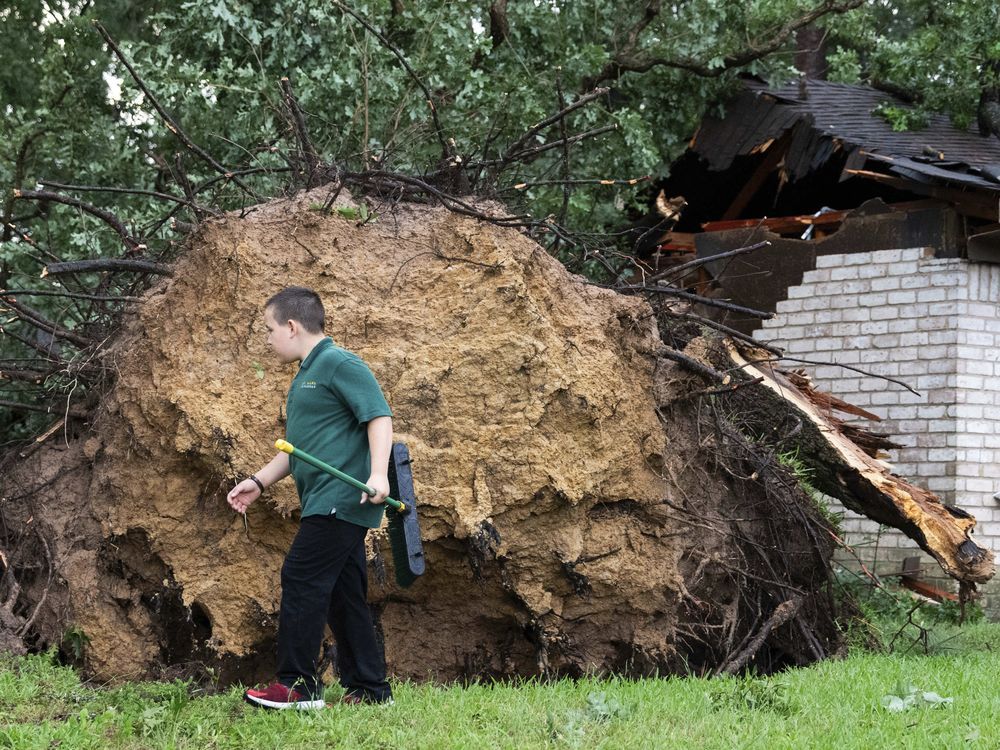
x,y
845,464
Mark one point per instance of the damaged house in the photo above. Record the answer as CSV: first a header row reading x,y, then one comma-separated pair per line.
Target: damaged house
x,y
882,270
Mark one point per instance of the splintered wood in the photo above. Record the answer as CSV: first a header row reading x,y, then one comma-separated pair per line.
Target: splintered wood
x,y
846,466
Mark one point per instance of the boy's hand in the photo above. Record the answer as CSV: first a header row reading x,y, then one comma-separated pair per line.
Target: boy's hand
x,y
242,495
379,483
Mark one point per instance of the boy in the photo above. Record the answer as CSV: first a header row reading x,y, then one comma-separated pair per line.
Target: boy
x,y
336,412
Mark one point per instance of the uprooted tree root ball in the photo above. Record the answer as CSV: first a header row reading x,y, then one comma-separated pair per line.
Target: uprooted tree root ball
x,y
586,503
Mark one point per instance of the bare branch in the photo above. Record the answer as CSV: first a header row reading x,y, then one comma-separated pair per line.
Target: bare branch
x,y
446,149
40,321
512,150
70,295
106,216
107,264
674,270
128,191
306,149
629,61
171,124
531,153
57,409
698,299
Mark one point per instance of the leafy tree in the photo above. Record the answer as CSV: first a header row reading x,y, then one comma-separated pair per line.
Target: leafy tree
x,y
74,115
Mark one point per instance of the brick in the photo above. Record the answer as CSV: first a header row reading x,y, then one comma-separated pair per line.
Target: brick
x,y
843,273
856,259
948,308
927,382
830,261
914,281
856,314
932,412
957,293
887,256
800,319
978,368
884,398
877,299
845,329
801,347
978,338
815,303
905,269
827,288
965,440
902,297
798,292
932,439
986,311
948,278
888,283
884,313
827,372
933,352
969,381
935,324
816,276
931,295
874,355
872,271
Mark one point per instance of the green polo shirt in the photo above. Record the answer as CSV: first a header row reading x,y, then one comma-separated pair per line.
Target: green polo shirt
x,y
331,400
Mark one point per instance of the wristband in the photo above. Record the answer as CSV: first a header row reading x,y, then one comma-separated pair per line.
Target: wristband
x,y
257,482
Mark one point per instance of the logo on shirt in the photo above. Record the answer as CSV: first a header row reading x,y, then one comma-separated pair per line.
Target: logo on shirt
x,y
309,384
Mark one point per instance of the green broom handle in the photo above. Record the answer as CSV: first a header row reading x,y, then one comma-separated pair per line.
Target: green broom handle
x,y
291,450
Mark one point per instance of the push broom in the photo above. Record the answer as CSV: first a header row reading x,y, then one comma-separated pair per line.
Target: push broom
x,y
404,528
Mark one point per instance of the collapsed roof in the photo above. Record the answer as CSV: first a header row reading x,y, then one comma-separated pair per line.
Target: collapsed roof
x,y
814,168
824,119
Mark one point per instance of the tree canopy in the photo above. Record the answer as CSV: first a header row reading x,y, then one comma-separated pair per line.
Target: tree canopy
x,y
181,106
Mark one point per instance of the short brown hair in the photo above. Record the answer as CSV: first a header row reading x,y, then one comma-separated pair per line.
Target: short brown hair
x,y
300,304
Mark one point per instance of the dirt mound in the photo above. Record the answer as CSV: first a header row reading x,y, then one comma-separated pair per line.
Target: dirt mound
x,y
572,517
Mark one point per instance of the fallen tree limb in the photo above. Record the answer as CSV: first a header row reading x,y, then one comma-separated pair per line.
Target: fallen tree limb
x,y
843,464
38,320
106,216
107,264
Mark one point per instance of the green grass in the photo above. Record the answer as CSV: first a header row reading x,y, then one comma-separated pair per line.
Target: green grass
x,y
835,704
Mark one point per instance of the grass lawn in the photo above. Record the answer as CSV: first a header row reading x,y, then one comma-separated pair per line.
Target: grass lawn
x,y
836,704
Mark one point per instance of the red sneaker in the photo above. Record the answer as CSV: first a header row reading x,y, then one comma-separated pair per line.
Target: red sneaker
x,y
278,696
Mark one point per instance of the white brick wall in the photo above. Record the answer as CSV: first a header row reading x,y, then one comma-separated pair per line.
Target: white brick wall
x,y
935,324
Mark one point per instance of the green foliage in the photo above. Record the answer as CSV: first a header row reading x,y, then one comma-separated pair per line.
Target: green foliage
x,y
894,619
75,643
749,693
804,476
901,118
937,51
72,113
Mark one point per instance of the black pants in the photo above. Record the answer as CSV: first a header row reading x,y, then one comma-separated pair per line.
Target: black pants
x,y
325,579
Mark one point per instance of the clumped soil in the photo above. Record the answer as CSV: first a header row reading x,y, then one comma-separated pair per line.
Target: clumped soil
x,y
584,507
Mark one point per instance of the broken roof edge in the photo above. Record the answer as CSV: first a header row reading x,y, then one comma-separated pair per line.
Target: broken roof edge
x,y
826,113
